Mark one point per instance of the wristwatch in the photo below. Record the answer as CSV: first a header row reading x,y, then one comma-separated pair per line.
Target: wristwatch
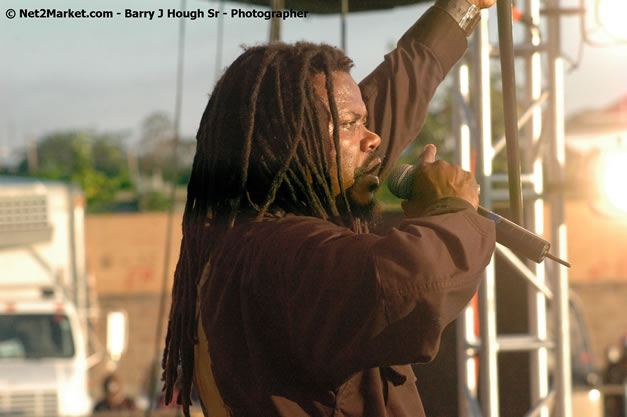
x,y
466,15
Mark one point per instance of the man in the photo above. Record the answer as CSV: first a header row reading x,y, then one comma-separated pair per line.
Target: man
x,y
114,398
283,304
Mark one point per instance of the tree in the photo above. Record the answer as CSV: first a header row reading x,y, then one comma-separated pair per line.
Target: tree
x,y
156,150
97,162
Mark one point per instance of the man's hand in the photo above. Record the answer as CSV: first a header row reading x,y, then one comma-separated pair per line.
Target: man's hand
x,y
434,180
482,4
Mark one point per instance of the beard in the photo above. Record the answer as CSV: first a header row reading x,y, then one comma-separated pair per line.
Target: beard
x,y
361,195
368,212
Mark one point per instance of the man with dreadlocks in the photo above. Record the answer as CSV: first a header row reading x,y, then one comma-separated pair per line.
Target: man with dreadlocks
x,y
283,303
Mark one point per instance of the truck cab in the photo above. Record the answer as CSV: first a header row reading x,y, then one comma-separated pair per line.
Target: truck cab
x,y
44,303
43,362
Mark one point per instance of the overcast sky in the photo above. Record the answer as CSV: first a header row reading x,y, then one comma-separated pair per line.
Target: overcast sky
x,y
109,74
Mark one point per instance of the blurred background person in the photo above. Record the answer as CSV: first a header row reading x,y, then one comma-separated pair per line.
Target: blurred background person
x,y
616,374
114,398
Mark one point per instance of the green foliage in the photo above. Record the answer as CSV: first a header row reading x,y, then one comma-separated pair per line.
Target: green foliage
x,y
100,164
157,144
154,201
96,162
109,156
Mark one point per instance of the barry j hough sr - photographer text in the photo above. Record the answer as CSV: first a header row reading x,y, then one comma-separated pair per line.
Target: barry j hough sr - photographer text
x,y
235,13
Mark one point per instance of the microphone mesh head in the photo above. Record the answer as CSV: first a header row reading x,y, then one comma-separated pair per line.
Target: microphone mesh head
x,y
401,181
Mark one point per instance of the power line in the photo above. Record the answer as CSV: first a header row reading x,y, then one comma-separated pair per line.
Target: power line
x,y
219,44
166,264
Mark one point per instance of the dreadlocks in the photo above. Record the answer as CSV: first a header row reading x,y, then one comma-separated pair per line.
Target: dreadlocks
x,y
260,150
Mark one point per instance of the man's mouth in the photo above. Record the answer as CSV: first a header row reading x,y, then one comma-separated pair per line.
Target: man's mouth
x,y
368,182
370,174
367,176
374,166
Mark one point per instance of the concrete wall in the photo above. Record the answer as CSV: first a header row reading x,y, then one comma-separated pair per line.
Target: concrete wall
x,y
134,366
126,259
125,252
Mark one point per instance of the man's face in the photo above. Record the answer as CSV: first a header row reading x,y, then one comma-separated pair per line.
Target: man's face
x,y
359,162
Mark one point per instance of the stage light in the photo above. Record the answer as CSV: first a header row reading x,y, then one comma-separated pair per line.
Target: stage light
x,y
594,394
614,176
116,334
611,15
609,192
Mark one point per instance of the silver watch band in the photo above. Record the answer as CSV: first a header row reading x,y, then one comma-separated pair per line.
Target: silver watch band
x,y
466,15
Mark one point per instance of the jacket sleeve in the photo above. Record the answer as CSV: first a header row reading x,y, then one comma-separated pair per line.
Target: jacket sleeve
x,y
349,302
397,93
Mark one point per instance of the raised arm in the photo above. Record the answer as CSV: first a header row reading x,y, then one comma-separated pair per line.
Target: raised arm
x,y
397,93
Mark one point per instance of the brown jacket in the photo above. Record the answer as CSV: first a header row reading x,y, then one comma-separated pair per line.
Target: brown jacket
x,y
306,318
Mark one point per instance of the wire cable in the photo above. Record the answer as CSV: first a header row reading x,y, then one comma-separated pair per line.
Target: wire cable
x,y
219,44
166,263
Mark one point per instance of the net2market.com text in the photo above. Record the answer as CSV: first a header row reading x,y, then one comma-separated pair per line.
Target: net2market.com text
x,y
235,13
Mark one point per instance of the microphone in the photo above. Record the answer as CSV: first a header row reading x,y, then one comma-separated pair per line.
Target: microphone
x,y
518,239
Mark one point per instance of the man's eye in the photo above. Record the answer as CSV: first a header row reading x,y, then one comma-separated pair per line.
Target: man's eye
x,y
349,124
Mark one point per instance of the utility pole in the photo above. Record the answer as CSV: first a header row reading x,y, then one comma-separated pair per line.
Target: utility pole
x,y
275,25
31,155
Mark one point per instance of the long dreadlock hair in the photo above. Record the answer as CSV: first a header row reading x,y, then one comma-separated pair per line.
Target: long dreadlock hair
x,y
260,149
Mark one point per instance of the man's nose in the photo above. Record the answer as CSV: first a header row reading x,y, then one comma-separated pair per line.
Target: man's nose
x,y
370,141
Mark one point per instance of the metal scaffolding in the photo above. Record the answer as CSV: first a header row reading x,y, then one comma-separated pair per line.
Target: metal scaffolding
x,y
542,133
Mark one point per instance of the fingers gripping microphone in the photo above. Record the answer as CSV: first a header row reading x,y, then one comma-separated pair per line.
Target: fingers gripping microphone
x,y
519,239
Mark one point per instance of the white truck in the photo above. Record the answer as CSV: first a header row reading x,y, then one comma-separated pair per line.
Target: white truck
x,y
44,300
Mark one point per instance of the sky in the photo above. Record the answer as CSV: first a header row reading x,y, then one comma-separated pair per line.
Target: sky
x,y
109,74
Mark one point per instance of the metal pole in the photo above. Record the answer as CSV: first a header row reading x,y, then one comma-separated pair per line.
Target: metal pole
x,y
343,24
178,103
275,23
31,156
538,360
219,44
510,106
488,366
462,150
466,331
466,367
483,109
488,359
558,226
